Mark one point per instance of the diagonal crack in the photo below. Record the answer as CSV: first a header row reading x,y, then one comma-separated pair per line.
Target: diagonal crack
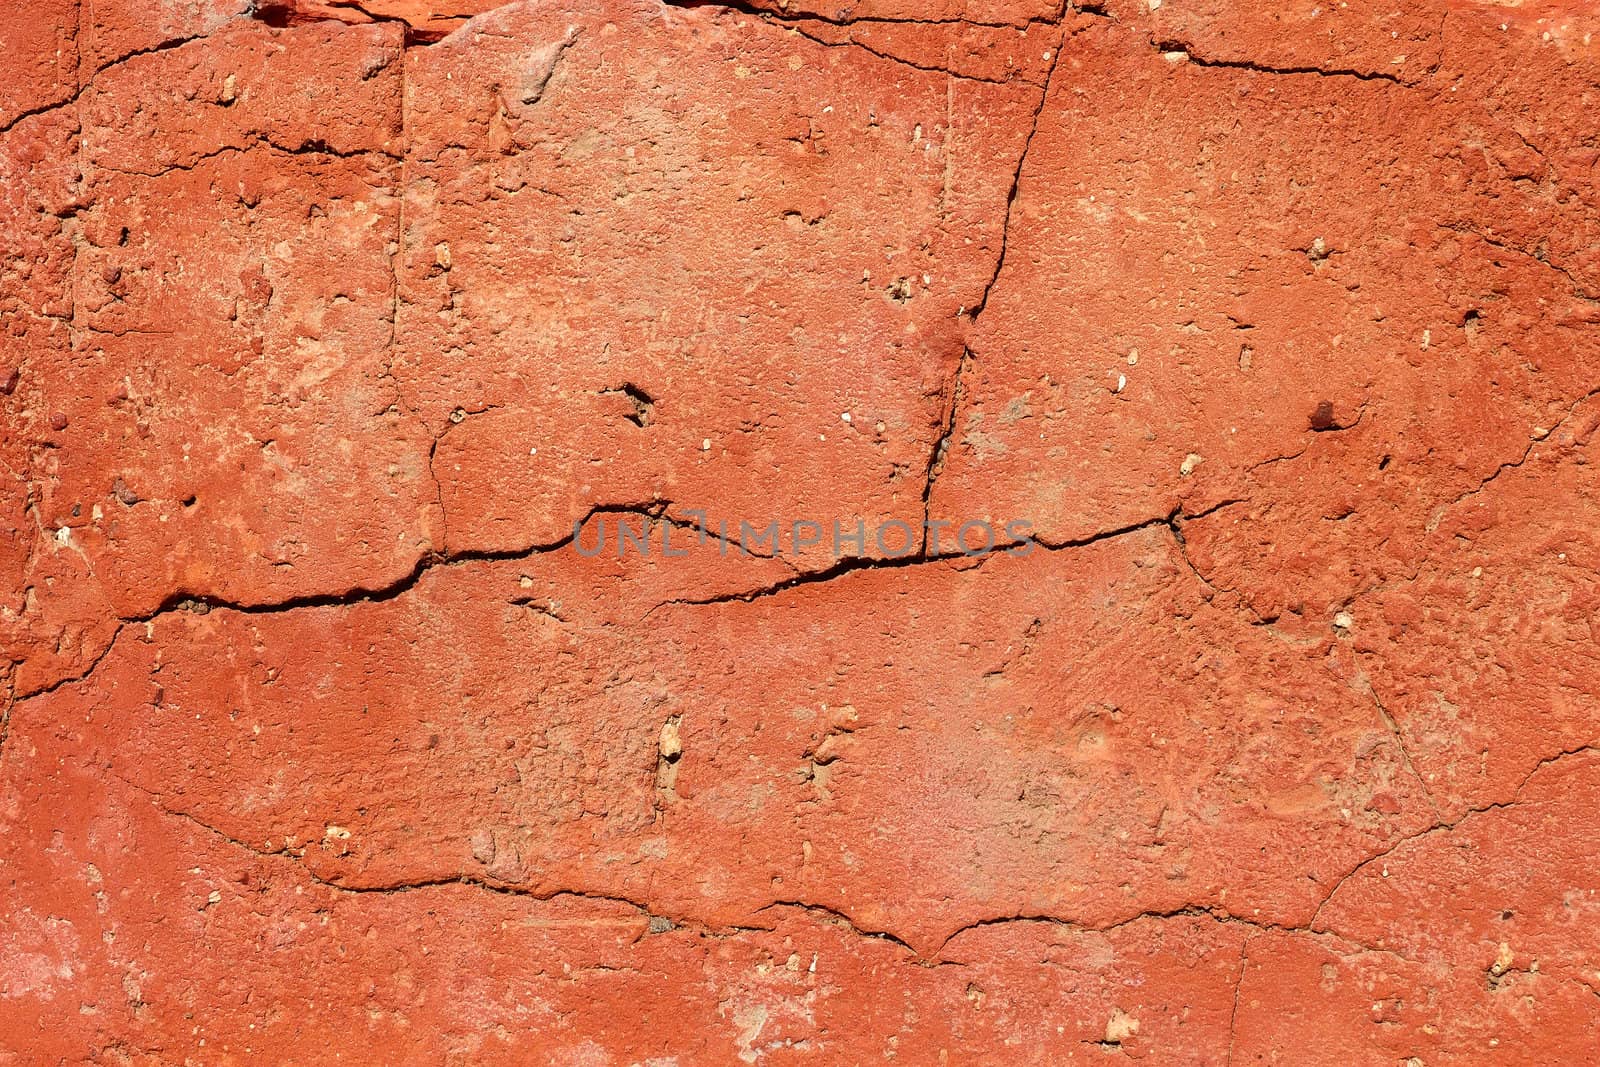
x,y
85,84
378,594
1443,826
1405,753
941,445
1527,453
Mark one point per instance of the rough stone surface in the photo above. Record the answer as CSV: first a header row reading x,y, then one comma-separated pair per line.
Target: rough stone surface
x,y
322,323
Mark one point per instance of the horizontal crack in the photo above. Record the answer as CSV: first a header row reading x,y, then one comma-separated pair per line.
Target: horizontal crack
x,y
305,148
835,917
853,564
655,918
1174,46
850,42
744,8
655,511
1216,914
366,595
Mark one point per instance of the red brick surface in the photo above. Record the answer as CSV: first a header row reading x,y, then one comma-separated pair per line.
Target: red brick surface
x,y
322,323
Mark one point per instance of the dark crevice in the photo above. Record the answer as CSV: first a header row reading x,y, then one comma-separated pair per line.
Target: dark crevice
x,y
745,8
1538,255
5,709
278,16
35,112
408,885
941,444
1172,47
305,148
1019,549
644,405
1016,181
282,14
202,604
835,917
